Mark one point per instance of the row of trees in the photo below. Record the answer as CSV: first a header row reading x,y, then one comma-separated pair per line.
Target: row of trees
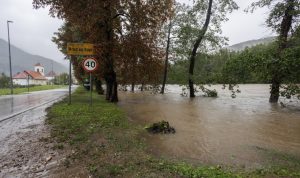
x,y
277,62
126,34
135,38
248,66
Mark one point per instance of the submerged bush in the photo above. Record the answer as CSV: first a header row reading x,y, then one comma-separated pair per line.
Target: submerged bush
x,y
207,92
160,127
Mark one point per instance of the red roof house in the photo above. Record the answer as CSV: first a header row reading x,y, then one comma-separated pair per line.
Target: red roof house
x,y
33,75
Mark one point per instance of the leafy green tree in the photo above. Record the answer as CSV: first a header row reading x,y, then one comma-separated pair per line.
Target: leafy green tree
x,y
4,81
199,29
254,65
284,19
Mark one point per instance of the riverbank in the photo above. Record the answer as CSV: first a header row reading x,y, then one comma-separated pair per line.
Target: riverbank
x,y
103,143
6,91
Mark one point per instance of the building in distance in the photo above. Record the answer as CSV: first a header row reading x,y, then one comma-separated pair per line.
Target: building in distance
x,y
36,77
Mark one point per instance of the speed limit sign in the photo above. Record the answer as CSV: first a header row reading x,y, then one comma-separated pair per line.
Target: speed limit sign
x,y
90,64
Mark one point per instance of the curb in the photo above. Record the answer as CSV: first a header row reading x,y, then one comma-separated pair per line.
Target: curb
x,y
31,108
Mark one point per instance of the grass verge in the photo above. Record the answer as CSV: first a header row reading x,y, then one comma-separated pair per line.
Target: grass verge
x,y
6,91
106,144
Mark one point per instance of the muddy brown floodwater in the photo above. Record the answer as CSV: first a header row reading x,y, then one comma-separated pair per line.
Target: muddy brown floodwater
x,y
235,132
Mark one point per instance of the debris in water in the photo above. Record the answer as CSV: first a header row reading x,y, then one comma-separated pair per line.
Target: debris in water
x,y
160,127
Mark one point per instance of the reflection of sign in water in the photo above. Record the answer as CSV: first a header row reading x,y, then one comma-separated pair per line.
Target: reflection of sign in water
x,y
80,49
90,64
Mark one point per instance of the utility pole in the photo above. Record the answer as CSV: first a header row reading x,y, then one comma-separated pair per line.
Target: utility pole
x,y
10,70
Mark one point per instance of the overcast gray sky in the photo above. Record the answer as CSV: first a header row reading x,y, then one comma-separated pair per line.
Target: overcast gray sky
x,y
32,29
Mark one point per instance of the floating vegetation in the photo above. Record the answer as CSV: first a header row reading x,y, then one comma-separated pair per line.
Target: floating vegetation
x,y
160,127
207,92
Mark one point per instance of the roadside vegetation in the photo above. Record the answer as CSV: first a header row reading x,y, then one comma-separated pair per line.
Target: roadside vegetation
x,y
6,91
106,144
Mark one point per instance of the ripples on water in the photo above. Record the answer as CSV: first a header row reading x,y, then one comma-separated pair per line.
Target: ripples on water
x,y
221,130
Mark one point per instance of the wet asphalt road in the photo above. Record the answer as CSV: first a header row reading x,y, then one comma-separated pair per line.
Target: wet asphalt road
x,y
11,105
21,126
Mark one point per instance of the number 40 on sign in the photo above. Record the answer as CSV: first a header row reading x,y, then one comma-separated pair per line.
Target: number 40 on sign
x,y
90,64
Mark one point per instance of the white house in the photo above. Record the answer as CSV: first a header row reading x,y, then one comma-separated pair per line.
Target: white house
x,y
51,75
35,77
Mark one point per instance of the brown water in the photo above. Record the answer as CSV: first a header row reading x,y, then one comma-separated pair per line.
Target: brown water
x,y
240,131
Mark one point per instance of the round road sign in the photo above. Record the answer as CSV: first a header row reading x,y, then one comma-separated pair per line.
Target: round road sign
x,y
90,64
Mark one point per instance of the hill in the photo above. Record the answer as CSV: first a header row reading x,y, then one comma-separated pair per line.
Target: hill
x,y
22,60
243,45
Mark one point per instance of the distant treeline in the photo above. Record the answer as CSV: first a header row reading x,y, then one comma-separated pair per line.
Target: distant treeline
x,y
226,66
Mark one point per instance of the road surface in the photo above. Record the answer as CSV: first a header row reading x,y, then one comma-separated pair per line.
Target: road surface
x,y
22,153
11,105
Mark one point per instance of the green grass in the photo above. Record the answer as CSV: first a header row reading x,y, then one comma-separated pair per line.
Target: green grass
x,y
106,144
6,91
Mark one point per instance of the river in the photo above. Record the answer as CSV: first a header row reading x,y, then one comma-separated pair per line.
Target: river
x,y
246,131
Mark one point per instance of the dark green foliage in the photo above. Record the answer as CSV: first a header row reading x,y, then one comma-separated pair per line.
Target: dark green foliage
x,y
221,67
256,64
209,93
4,81
253,65
290,90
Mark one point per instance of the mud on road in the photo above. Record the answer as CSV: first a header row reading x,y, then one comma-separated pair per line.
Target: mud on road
x,y
26,148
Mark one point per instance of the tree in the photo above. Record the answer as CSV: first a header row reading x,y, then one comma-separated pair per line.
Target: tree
x,y
284,19
4,81
196,46
198,33
171,33
67,33
111,24
252,65
167,58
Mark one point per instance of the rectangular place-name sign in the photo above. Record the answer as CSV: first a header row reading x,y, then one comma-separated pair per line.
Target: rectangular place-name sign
x,y
80,49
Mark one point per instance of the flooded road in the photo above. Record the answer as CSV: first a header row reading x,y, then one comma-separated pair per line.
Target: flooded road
x,y
246,131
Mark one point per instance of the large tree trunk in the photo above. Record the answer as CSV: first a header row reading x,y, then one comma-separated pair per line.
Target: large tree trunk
x,y
142,87
132,87
98,84
167,60
196,46
108,88
111,87
285,27
274,90
110,74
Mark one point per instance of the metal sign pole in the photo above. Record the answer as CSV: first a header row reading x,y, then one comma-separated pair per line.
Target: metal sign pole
x,y
89,65
70,80
91,86
9,56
